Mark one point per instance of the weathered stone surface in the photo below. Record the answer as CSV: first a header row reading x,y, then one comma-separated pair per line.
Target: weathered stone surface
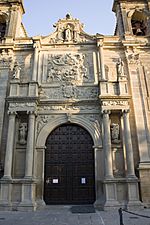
x,y
101,83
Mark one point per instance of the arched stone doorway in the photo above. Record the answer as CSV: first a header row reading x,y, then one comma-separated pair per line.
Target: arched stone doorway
x,y
69,166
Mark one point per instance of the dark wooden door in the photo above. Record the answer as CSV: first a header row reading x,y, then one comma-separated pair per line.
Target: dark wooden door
x,y
69,166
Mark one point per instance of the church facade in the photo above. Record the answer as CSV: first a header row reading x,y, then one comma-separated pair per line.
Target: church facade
x,y
75,111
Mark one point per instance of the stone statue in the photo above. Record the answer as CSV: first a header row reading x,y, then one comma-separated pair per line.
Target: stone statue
x,y
22,133
68,35
120,68
115,131
16,71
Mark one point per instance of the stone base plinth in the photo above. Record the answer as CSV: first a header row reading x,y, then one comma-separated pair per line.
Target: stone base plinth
x,y
28,202
110,190
144,174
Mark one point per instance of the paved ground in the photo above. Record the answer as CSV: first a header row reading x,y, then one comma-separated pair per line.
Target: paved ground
x,y
61,215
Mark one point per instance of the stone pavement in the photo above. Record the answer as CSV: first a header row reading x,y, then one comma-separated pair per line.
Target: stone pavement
x,y
61,215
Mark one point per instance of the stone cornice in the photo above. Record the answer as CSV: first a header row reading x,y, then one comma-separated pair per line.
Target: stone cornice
x,y
71,101
17,99
116,2
101,97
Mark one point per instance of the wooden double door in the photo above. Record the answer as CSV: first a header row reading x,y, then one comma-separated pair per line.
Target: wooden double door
x,y
69,166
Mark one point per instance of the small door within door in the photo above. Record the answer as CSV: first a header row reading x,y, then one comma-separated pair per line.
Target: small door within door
x,y
69,166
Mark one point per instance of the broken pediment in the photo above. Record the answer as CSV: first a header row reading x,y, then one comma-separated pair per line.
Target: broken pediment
x,y
68,30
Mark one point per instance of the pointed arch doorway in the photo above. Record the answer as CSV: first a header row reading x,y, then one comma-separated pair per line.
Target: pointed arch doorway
x,y
69,166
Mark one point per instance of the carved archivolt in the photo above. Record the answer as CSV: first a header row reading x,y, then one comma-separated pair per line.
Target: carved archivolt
x,y
42,120
94,131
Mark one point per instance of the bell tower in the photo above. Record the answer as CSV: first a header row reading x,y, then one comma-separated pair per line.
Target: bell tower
x,y
133,17
11,12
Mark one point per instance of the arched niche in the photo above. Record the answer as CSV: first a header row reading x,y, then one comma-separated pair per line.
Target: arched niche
x,y
3,25
139,23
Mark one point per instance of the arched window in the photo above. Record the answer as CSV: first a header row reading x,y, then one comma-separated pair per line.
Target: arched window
x,y
2,26
139,24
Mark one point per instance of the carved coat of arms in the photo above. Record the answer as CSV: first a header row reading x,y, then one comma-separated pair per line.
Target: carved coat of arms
x,y
68,68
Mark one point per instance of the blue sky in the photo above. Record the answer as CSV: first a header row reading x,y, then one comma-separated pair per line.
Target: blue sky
x,y
96,15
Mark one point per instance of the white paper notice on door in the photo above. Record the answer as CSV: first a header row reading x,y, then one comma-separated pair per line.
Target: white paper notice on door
x,y
83,180
55,181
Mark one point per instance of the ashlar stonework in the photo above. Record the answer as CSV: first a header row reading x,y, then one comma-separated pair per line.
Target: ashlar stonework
x,y
75,112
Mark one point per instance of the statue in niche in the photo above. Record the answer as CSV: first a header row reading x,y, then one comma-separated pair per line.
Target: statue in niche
x,y
22,133
120,68
16,71
115,132
106,71
68,33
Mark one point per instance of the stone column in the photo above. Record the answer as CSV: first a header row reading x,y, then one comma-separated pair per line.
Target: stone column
x,y
35,63
124,18
30,146
9,146
101,58
107,146
128,145
11,28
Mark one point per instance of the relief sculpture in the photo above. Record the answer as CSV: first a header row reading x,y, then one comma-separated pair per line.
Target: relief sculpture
x,y
67,68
